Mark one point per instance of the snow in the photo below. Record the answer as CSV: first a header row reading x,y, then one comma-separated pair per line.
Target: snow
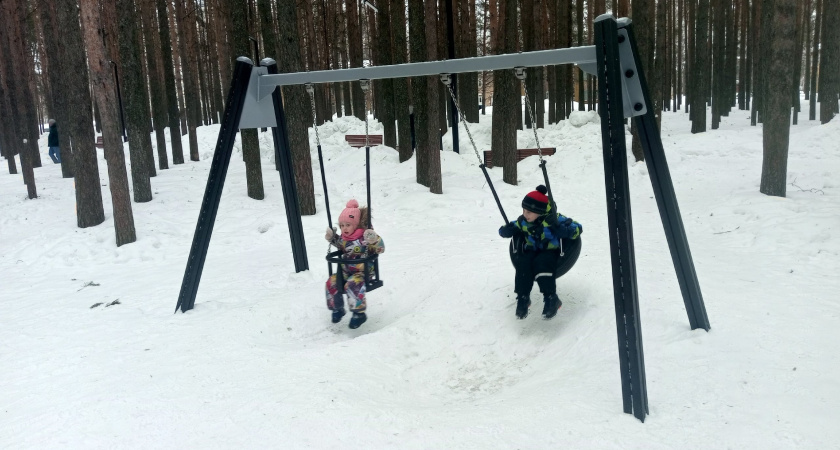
x,y
442,362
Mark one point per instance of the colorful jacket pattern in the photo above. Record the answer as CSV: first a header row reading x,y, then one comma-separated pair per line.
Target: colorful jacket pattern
x,y
545,232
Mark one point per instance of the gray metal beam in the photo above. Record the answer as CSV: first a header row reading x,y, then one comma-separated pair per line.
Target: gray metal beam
x,y
584,56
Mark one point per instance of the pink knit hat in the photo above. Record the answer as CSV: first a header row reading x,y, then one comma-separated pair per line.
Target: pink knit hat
x,y
351,213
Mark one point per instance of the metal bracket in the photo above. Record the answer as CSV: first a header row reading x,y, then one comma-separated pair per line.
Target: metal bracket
x,y
446,78
631,88
520,72
258,111
365,84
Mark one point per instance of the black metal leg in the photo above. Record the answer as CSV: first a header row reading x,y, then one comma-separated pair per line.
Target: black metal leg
x,y
215,183
666,200
283,155
628,323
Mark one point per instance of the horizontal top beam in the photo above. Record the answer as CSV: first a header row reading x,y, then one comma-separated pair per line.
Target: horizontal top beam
x,y
576,55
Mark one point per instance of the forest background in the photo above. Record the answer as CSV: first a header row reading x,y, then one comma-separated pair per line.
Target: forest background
x,y
110,67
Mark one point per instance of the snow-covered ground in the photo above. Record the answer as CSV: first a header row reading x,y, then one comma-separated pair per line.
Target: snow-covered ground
x,y
442,362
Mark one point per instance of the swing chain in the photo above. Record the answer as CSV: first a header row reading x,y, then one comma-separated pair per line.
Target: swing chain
x,y
366,88
520,73
311,90
446,79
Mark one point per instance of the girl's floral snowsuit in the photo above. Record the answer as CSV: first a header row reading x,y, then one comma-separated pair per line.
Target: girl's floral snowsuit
x,y
354,247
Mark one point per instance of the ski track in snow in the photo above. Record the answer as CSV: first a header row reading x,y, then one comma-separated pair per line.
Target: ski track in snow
x,y
441,362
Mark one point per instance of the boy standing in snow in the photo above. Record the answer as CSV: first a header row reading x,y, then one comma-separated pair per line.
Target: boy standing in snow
x,y
52,142
355,242
541,229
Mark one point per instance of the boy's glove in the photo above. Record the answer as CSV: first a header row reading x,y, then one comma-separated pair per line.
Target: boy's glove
x,y
370,237
330,234
507,231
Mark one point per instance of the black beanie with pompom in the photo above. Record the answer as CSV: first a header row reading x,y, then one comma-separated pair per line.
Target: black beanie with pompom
x,y
536,201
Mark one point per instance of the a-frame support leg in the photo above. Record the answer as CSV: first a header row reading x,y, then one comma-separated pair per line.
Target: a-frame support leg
x,y
215,183
283,157
666,200
628,323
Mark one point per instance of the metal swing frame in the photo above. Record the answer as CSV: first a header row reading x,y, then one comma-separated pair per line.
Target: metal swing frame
x,y
622,93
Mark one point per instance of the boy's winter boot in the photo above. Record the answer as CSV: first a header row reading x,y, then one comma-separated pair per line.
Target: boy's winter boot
x,y
522,304
552,304
338,308
357,320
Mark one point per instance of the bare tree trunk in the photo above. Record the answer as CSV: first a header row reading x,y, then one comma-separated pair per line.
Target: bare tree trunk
x,y
186,25
812,110
386,113
58,87
432,167
401,97
830,64
354,36
776,110
505,97
157,85
19,95
106,98
137,114
297,106
89,207
701,71
169,81
250,141
419,89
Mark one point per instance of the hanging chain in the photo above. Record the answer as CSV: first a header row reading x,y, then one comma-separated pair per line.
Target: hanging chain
x,y
311,90
447,80
366,88
520,73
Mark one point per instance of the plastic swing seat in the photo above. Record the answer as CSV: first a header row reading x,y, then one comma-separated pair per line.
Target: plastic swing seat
x,y
568,257
372,282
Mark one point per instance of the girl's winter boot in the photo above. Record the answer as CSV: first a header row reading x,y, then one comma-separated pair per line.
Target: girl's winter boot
x,y
357,320
338,308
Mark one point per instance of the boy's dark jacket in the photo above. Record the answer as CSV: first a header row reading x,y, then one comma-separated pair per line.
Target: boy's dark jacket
x,y
545,232
52,138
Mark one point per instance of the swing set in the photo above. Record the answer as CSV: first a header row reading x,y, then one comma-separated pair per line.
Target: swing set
x,y
622,93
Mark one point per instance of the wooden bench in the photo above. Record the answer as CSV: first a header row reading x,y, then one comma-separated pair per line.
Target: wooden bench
x,y
99,143
358,140
521,154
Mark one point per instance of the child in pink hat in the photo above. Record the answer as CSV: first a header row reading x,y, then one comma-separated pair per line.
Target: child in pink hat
x,y
355,242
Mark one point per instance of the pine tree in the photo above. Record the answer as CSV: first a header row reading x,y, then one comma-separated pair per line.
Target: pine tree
x,y
106,98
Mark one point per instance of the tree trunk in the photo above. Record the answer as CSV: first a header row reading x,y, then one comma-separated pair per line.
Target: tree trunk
x,y
354,37
189,62
386,114
830,64
297,107
169,81
812,106
505,97
89,207
19,95
58,87
419,89
776,107
433,90
106,98
136,103
401,97
157,85
700,68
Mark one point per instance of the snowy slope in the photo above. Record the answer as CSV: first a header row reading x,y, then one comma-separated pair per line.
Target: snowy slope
x,y
442,362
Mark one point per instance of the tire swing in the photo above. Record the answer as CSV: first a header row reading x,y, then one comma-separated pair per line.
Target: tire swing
x,y
372,280
569,248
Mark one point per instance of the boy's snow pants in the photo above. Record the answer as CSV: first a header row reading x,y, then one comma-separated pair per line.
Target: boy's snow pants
x,y
539,265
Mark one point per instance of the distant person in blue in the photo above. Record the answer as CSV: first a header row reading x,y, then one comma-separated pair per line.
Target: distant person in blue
x,y
541,230
52,143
